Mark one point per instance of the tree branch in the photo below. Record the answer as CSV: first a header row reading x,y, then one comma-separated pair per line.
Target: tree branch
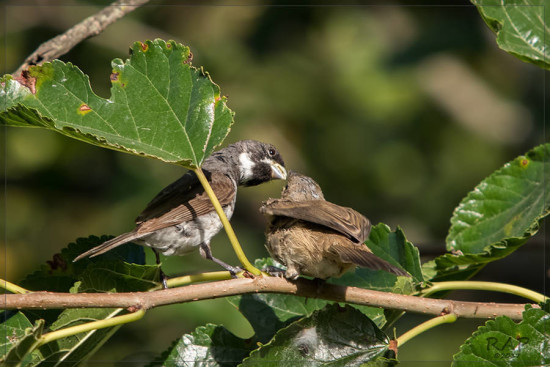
x,y
91,26
301,287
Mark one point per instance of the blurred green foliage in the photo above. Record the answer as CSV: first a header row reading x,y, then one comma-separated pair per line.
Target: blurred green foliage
x,y
396,111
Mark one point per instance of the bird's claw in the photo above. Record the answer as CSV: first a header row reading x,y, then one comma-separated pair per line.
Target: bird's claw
x,y
234,270
163,279
274,271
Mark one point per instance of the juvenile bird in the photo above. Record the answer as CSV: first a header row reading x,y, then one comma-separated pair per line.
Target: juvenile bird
x,y
314,237
181,218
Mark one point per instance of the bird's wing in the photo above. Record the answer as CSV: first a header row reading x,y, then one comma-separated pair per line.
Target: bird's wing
x,y
184,200
341,219
165,200
362,256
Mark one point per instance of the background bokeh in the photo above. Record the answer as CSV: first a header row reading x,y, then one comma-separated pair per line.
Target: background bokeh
x,y
397,111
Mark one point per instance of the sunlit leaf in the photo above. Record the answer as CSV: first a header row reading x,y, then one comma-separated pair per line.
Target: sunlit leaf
x,y
521,27
506,204
497,217
394,248
160,106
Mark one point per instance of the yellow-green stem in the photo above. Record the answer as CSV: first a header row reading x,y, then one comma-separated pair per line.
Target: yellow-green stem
x,y
94,325
424,327
195,278
10,287
228,229
484,286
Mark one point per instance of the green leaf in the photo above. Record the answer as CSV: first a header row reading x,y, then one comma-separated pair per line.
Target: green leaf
x,y
12,330
268,313
208,345
106,273
460,266
119,276
21,339
394,248
129,252
60,273
160,106
497,217
71,350
521,27
100,275
502,342
507,204
333,336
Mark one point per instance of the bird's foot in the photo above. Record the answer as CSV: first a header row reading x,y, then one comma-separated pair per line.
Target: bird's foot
x,y
207,254
233,270
163,279
162,275
274,271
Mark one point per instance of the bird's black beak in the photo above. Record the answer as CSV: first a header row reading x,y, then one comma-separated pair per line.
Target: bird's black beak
x,y
277,171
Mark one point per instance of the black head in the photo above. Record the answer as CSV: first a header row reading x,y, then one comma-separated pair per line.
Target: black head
x,y
258,162
301,187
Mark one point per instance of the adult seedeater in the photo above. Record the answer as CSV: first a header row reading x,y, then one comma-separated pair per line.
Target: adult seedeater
x,y
181,218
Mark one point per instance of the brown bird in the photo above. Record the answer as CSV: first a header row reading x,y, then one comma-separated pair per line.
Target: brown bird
x,y
315,237
181,218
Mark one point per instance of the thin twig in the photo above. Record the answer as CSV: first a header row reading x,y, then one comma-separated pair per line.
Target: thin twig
x,y
484,286
417,330
13,288
89,27
301,287
89,326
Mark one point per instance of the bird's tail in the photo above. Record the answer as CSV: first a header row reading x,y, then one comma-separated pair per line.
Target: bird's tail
x,y
109,245
361,256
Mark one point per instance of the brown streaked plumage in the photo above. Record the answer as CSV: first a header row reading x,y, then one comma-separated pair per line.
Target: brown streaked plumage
x,y
314,237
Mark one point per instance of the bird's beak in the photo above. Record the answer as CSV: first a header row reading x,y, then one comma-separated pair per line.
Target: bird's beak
x,y
277,171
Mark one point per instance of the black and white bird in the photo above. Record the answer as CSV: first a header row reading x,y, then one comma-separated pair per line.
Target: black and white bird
x,y
181,218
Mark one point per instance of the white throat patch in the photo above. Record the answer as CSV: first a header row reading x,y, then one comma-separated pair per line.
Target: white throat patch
x,y
246,165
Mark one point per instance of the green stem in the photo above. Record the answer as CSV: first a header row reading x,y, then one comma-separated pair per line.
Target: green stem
x,y
485,286
228,229
10,287
94,325
424,327
195,278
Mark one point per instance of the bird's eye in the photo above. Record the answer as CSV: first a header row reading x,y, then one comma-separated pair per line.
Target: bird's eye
x,y
271,151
